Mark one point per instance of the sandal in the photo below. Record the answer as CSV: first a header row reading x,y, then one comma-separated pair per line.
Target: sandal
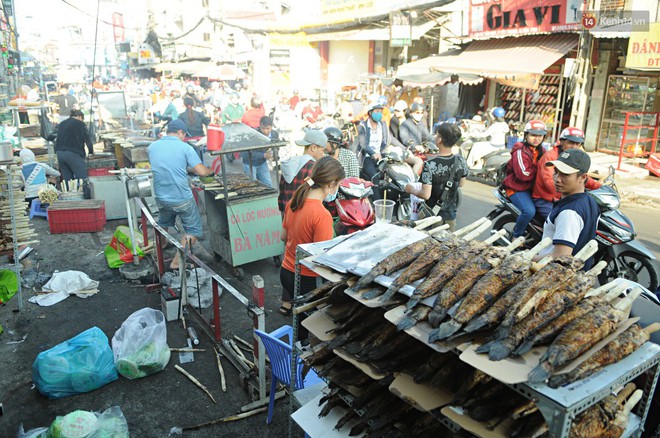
x,y
285,311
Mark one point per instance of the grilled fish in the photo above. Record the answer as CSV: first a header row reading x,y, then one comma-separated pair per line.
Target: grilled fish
x,y
552,277
485,292
431,366
443,271
511,299
551,308
463,280
374,390
595,421
624,344
547,333
318,292
576,338
475,379
395,261
351,414
417,269
418,314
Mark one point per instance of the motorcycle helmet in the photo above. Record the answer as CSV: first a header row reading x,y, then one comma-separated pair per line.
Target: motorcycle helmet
x,y
334,135
375,106
573,134
416,107
382,100
536,127
498,112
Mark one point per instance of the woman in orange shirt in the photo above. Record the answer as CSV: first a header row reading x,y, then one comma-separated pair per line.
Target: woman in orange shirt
x,y
306,220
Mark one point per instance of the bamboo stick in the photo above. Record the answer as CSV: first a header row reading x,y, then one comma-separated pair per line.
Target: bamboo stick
x,y
186,350
227,419
221,370
243,341
195,381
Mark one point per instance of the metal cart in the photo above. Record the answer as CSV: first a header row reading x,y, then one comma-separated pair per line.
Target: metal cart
x,y
245,224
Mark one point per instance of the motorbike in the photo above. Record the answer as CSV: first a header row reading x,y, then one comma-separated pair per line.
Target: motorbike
x,y
615,234
354,212
392,177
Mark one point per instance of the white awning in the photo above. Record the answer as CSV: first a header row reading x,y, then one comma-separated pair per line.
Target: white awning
x,y
372,34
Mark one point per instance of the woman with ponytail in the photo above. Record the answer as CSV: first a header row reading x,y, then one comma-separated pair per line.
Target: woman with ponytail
x,y
306,220
194,119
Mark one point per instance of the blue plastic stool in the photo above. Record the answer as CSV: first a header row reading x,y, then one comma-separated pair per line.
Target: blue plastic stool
x,y
280,363
37,210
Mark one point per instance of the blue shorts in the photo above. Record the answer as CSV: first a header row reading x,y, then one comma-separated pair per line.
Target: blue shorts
x,y
187,212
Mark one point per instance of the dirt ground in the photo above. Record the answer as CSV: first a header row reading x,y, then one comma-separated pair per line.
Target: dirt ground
x,y
152,405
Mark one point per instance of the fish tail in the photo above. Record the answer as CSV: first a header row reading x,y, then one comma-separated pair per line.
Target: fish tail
x,y
389,293
371,294
484,348
406,323
447,329
436,316
538,374
362,282
558,380
475,324
412,303
502,332
498,351
523,348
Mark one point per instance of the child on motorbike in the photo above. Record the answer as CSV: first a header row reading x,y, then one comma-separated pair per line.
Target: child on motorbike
x,y
443,175
521,171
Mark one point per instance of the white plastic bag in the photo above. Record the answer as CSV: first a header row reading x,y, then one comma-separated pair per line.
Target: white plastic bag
x,y
140,345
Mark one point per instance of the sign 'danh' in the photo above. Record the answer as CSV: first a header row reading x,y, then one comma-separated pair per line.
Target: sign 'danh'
x,y
493,18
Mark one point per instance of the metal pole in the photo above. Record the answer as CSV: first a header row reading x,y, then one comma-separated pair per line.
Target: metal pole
x,y
259,323
12,211
129,214
623,141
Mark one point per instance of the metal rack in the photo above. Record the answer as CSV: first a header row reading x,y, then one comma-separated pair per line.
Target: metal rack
x,y
558,406
16,266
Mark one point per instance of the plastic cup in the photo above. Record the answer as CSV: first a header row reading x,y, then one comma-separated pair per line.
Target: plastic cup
x,y
383,208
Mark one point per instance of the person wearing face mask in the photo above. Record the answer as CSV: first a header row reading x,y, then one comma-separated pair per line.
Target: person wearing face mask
x,y
299,167
412,132
373,139
398,117
337,149
521,173
306,220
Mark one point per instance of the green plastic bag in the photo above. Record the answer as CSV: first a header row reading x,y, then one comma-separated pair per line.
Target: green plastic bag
x,y
120,249
8,285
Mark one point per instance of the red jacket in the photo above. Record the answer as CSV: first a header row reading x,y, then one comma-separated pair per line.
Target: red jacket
x,y
544,185
521,169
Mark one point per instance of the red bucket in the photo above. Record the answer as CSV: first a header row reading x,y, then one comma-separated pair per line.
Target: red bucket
x,y
215,137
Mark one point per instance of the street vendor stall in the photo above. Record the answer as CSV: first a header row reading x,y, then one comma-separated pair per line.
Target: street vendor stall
x,y
411,325
242,214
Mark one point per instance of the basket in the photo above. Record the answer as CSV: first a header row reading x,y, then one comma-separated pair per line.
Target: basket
x,y
86,216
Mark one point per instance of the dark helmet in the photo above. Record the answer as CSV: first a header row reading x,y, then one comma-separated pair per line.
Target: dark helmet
x,y
188,101
416,107
334,135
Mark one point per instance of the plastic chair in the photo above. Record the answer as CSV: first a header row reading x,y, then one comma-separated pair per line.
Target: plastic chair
x,y
37,210
279,353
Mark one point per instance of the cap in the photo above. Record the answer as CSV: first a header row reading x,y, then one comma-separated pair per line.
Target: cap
x,y
400,105
536,127
178,125
573,134
313,136
572,161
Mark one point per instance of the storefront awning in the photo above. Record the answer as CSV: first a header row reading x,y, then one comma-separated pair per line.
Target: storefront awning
x,y
438,78
371,34
498,58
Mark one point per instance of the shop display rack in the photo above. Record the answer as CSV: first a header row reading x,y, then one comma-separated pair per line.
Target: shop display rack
x,y
558,406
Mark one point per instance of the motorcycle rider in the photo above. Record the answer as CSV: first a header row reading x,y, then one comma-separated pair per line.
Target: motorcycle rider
x,y
398,117
521,171
195,120
373,139
336,148
573,220
413,134
443,175
190,93
496,135
544,193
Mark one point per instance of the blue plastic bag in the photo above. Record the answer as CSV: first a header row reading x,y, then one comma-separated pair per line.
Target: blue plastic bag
x,y
81,364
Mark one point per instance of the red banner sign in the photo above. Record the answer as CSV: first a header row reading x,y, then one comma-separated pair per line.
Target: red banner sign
x,y
497,18
118,27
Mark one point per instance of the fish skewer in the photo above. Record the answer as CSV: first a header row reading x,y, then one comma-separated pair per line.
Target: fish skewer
x,y
548,332
417,269
490,287
595,421
321,290
418,314
500,307
445,267
549,310
561,271
620,423
624,345
467,276
395,261
580,335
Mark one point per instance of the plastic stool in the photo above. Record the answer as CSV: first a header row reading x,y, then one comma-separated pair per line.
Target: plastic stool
x,y
37,210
